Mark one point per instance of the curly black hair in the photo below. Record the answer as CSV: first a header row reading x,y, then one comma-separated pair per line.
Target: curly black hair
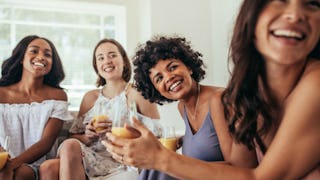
x,y
163,48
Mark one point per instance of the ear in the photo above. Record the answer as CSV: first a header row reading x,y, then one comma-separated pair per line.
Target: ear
x,y
190,71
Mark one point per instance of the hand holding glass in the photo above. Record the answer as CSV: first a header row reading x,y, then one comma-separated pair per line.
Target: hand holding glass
x,y
100,120
119,121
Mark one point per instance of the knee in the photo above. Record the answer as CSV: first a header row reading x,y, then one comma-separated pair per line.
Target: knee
x,y
70,146
24,173
70,149
49,169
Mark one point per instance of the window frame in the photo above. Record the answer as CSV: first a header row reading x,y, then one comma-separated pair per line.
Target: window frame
x,y
93,8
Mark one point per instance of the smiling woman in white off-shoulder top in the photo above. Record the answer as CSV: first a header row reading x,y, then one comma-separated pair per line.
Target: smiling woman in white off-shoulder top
x,y
33,106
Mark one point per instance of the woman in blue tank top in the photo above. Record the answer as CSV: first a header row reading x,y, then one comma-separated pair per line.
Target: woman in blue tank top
x,y
167,69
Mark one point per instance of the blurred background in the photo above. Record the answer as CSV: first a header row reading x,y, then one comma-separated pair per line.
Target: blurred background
x,y
76,26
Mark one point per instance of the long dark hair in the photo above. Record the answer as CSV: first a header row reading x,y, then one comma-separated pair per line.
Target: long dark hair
x,y
243,99
12,67
163,48
126,74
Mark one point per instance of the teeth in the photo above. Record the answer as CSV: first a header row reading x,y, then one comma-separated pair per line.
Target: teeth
x,y
38,64
288,33
107,69
174,85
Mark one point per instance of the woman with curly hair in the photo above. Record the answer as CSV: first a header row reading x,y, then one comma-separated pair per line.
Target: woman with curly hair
x,y
167,69
272,102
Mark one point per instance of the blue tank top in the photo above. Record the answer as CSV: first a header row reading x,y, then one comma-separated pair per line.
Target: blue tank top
x,y
203,145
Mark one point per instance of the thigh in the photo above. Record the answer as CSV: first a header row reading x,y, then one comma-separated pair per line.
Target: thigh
x,y
25,172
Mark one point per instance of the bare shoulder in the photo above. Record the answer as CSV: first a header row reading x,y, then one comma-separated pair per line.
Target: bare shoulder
x,y
309,83
88,101
55,93
133,91
299,129
312,72
4,91
91,95
214,95
144,106
134,95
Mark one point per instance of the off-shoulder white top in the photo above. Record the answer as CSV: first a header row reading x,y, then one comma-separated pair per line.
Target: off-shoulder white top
x,y
24,123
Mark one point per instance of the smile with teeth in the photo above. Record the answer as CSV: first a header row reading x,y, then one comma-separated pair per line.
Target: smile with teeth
x,y
174,85
39,64
108,69
288,34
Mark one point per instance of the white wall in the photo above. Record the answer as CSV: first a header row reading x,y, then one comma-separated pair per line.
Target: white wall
x,y
222,18
208,25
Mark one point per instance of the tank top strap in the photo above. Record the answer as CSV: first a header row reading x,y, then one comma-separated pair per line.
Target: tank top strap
x,y
126,89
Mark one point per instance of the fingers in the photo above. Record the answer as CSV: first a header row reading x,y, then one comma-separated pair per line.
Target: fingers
x,y
90,131
139,126
143,130
116,150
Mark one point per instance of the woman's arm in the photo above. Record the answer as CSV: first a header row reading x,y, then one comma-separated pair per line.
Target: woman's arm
x,y
294,151
42,147
146,152
49,135
234,153
87,103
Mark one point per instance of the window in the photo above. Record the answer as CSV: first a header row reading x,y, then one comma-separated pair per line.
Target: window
x,y
74,27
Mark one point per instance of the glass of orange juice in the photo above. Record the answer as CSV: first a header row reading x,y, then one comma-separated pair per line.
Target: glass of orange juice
x,y
122,116
4,156
100,119
168,138
4,152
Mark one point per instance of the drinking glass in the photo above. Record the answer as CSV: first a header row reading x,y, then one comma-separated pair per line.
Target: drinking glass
x,y
123,116
4,152
100,115
168,138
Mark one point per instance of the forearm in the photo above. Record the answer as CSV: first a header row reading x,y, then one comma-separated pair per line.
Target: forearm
x,y
33,153
183,167
82,138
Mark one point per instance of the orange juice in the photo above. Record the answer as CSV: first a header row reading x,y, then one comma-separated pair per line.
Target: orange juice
x,y
122,132
99,118
3,159
169,143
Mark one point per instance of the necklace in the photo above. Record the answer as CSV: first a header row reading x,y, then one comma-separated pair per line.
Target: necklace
x,y
194,115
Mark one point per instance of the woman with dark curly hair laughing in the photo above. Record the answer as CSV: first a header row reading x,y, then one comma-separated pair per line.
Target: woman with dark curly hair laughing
x,y
167,69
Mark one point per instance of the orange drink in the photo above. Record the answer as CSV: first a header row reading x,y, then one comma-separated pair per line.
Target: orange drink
x,y
169,143
3,159
122,132
99,118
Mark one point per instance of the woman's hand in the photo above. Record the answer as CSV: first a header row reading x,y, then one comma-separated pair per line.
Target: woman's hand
x,y
142,152
90,132
101,126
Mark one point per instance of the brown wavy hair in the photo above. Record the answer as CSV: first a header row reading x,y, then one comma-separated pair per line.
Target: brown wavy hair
x,y
126,74
243,99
